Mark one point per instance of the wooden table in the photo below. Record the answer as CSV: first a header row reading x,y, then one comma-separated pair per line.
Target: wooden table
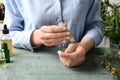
x,y
45,65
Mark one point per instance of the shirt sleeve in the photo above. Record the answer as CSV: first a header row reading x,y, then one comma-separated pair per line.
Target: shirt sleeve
x,y
94,25
15,22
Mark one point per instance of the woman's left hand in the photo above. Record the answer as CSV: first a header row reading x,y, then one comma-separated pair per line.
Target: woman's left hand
x,y
73,55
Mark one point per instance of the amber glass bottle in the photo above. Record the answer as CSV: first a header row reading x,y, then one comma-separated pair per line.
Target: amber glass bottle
x,y
6,39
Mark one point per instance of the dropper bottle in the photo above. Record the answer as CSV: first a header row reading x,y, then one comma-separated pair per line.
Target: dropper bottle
x,y
6,39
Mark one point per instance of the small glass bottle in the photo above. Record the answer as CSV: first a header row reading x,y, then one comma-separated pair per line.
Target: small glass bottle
x,y
6,39
2,60
5,50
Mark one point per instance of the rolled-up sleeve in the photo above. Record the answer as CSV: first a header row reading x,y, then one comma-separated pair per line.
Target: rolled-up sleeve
x,y
94,25
15,22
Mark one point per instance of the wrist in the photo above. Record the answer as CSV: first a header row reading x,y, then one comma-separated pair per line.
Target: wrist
x,y
83,47
87,44
34,39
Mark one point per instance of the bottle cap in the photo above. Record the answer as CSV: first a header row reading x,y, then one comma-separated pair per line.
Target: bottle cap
x,y
4,46
5,29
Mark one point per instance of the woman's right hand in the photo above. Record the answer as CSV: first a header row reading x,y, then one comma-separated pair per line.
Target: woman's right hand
x,y
50,35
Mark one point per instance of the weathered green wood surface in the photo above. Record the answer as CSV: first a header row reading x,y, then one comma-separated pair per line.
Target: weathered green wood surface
x,y
45,65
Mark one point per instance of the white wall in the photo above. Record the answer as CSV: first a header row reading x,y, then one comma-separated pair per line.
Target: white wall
x,y
1,0
115,1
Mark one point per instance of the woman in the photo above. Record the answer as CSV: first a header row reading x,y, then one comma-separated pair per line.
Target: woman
x,y
35,23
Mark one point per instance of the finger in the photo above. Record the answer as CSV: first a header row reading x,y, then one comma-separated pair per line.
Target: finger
x,y
66,59
62,54
55,40
56,35
53,43
71,48
53,29
66,62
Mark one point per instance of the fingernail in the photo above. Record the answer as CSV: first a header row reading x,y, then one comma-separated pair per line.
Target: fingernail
x,y
59,52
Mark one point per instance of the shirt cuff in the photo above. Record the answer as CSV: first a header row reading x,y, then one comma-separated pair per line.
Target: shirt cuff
x,y
94,34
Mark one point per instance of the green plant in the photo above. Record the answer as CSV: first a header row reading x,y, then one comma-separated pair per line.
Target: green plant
x,y
111,18
110,60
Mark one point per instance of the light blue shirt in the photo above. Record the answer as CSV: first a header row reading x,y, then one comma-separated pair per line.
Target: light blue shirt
x,y
82,17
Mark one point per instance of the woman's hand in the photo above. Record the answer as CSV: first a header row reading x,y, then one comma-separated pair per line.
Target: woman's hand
x,y
50,35
73,55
